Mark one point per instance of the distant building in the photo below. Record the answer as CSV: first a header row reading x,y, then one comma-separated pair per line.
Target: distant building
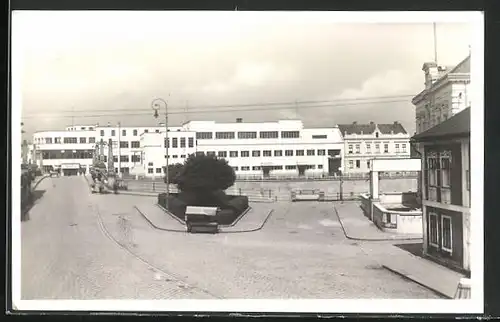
x,y
445,190
365,142
446,93
280,148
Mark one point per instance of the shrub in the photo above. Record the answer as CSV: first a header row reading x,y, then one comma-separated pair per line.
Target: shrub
x,y
173,172
226,216
239,203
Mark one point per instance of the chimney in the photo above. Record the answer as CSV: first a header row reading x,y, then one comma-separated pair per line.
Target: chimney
x,y
371,122
239,120
396,123
354,123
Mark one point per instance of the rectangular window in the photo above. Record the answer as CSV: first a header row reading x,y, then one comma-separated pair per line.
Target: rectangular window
x,y
235,168
191,142
266,153
123,144
368,148
124,132
115,158
299,153
247,135
102,132
150,164
350,149
183,156
397,147
245,154
446,234
113,132
321,152
157,131
224,135
290,167
150,170
183,142
256,168
222,154
386,148
319,136
268,135
403,146
70,140
91,140
351,164
433,230
204,135
289,153
158,170
166,142
368,164
211,153
245,168
290,134
233,154
135,144
358,164
175,156
432,169
358,149
146,131
256,154
136,158
445,169
83,140
175,143
310,152
134,132
320,166
377,148
124,158
278,153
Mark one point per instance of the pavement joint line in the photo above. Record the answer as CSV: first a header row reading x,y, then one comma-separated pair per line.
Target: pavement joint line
x,y
168,274
370,239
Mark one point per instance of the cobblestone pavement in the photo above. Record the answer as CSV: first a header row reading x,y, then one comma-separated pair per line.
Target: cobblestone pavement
x,y
67,255
300,253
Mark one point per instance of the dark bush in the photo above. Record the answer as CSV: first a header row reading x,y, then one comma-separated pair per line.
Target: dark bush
x,y
239,203
226,216
173,172
177,207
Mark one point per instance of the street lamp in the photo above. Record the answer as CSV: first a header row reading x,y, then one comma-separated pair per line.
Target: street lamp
x,y
156,105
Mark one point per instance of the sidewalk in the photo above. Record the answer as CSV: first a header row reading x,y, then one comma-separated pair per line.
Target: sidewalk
x,y
356,226
438,278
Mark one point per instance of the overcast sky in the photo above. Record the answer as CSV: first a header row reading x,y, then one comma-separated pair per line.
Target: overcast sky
x,y
97,62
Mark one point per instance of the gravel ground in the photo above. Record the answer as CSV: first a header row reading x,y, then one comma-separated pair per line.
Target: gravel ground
x,y
300,253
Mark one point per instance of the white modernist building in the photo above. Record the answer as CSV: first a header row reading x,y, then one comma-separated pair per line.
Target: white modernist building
x,y
366,142
284,147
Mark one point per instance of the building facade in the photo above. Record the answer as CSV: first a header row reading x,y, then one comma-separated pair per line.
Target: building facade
x,y
283,147
445,186
365,142
446,93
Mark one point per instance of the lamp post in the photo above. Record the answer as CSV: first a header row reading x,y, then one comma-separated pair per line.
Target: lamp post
x,y
156,105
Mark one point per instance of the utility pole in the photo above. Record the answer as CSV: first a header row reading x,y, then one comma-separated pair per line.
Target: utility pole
x,y
435,44
119,150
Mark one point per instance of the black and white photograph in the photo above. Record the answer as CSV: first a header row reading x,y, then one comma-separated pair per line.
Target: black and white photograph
x,y
247,161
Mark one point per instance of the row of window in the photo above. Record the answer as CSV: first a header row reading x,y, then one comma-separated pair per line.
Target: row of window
x,y
136,158
438,172
134,132
276,167
358,164
251,135
270,153
178,142
377,148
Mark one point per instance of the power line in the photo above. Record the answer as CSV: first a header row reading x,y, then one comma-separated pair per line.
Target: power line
x,y
247,105
219,111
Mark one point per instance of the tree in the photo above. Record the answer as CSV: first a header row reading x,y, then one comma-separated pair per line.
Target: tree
x,y
173,172
203,178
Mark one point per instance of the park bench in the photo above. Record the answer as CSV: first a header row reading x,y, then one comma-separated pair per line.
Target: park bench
x,y
201,219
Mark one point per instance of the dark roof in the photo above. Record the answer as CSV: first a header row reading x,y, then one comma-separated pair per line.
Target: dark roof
x,y
356,128
456,126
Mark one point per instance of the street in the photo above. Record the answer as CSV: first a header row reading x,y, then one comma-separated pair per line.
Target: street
x,y
79,245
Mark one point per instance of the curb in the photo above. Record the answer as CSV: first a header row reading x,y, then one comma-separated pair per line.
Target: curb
x,y
170,214
157,227
38,182
250,230
369,239
406,277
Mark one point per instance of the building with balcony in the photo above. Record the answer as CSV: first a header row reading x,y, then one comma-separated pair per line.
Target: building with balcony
x,y
445,187
365,142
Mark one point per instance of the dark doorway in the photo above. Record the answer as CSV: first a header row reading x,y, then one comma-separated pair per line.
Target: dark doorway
x,y
334,165
302,170
266,171
70,172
